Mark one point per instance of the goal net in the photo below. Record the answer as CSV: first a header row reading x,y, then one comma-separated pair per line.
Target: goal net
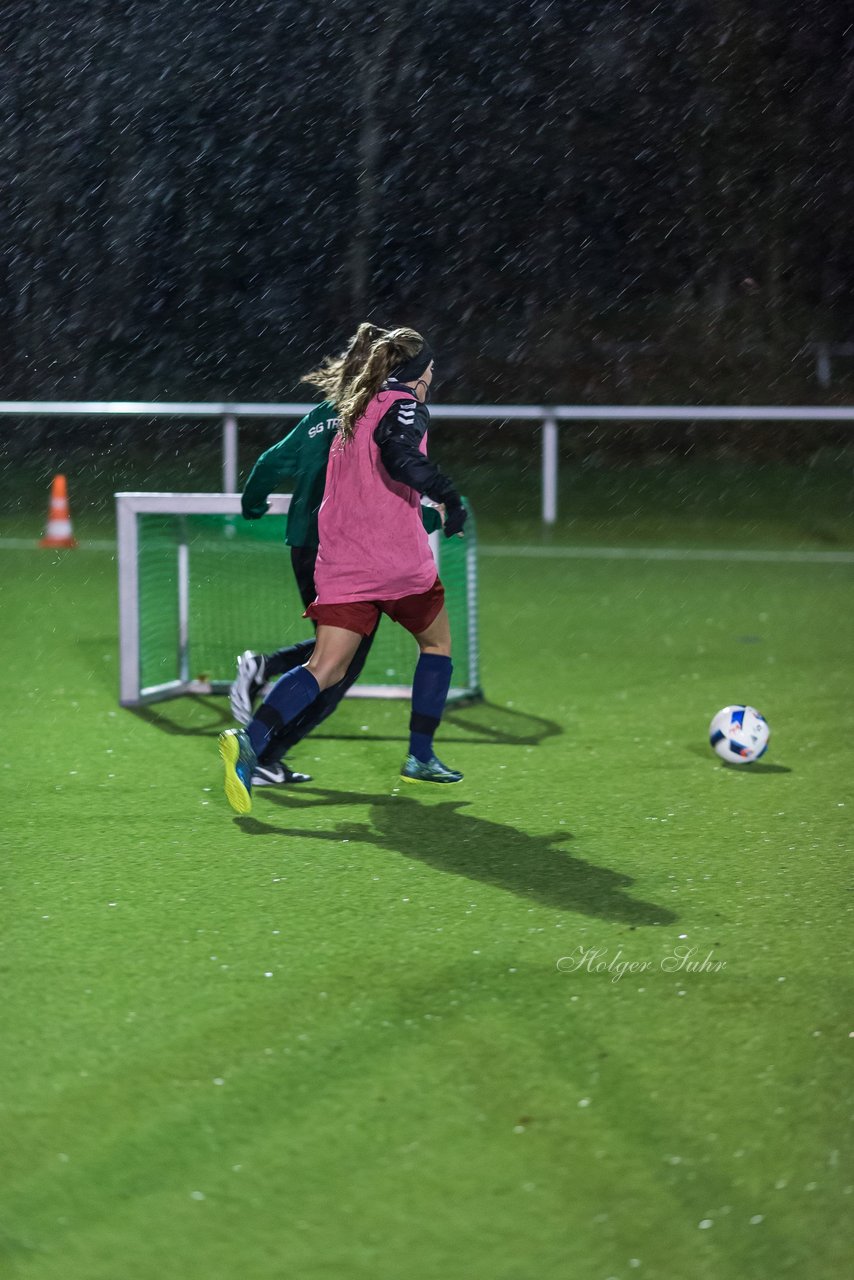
x,y
198,584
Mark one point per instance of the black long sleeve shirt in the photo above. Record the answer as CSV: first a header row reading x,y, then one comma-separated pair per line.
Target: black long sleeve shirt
x,y
399,434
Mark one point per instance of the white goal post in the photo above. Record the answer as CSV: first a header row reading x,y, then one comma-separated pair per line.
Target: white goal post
x,y
179,632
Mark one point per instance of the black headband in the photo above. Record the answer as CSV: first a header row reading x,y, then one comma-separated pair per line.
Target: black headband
x,y
414,367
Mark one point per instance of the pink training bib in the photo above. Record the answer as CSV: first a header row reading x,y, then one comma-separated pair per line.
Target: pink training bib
x,y
373,544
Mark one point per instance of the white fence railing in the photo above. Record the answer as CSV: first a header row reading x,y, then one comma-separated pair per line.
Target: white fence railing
x,y
547,417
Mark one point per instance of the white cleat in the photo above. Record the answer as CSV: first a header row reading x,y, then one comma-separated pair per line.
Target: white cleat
x,y
247,684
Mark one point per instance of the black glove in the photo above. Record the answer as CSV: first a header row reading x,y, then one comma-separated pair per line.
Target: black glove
x,y
455,518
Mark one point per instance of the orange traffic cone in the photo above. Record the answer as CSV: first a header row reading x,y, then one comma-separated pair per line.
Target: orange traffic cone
x,y
58,533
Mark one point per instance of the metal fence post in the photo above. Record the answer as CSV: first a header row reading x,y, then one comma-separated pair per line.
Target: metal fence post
x,y
229,453
549,471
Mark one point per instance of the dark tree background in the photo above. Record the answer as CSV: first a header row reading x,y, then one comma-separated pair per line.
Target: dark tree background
x,y
579,200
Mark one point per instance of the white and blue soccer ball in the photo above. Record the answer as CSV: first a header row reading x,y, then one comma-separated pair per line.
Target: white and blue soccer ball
x,y
739,734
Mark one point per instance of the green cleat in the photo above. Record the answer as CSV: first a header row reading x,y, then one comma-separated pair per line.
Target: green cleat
x,y
240,761
415,770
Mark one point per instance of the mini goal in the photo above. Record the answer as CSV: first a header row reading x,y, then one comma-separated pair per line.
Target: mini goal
x,y
198,584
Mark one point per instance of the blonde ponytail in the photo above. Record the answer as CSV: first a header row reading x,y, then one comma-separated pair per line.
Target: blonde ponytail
x,y
334,372
387,352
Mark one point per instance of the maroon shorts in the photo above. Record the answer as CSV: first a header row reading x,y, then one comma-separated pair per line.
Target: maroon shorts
x,y
415,613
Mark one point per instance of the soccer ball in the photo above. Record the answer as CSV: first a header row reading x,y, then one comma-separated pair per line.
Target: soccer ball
x,y
739,734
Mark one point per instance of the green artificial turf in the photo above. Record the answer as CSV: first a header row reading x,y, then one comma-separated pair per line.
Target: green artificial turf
x,y
362,1032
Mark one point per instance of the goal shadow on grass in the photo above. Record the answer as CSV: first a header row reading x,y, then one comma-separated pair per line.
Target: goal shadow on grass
x,y
439,834
191,716
479,723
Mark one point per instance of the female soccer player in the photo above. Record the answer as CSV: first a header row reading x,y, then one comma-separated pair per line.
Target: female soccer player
x,y
374,558
301,456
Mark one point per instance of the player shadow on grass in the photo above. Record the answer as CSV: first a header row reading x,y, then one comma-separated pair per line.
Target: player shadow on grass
x,y
461,844
482,723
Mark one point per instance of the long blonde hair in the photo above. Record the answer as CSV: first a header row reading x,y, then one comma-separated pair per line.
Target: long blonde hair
x,y
355,394
334,372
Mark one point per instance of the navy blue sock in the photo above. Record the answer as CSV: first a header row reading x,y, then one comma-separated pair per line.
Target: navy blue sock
x,y
287,698
430,686
308,720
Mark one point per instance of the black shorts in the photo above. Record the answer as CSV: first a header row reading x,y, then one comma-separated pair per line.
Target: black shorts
x,y
302,561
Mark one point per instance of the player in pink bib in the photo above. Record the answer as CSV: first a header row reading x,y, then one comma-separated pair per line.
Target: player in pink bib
x,y
373,545
374,557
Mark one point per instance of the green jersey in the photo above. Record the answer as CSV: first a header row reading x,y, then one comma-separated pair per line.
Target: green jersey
x,y
302,457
